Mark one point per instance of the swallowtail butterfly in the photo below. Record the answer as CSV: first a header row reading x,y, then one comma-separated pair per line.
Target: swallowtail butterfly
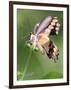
x,y
40,37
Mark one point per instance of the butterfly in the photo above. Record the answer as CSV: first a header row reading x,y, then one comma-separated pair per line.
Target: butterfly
x,y
40,37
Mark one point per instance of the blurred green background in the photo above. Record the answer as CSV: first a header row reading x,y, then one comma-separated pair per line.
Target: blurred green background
x,y
32,65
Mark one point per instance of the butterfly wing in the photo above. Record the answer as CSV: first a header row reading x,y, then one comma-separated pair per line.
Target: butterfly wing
x,y
36,28
43,25
49,25
51,50
54,27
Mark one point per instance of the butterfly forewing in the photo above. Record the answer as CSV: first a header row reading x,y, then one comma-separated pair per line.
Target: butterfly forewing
x,y
44,24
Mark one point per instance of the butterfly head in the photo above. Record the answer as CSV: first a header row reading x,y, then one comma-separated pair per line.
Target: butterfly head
x,y
33,40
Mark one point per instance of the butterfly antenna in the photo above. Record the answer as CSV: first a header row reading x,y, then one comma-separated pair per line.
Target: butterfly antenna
x,y
26,36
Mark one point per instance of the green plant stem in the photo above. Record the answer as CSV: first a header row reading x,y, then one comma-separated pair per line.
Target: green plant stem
x,y
27,64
